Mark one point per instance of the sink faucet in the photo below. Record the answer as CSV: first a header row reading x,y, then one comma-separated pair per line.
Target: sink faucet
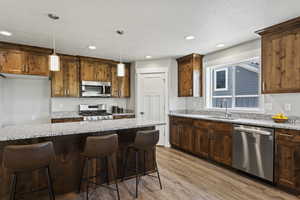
x,y
227,113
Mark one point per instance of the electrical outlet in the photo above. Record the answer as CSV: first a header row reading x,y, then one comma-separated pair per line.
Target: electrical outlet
x,y
287,107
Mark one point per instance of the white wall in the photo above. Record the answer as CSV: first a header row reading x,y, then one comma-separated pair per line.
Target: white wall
x,y
24,101
71,104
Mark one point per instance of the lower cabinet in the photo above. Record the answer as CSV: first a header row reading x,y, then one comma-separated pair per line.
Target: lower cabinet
x,y
287,159
221,143
207,139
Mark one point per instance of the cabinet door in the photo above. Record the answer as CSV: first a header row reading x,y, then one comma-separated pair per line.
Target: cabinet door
x,y
287,159
87,70
221,143
187,137
114,81
201,130
185,78
37,64
71,77
102,72
281,62
174,133
12,61
57,83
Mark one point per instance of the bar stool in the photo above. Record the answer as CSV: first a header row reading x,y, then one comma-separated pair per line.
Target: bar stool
x,y
144,142
99,147
27,158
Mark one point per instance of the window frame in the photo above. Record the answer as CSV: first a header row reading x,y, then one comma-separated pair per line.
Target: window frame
x,y
226,79
209,88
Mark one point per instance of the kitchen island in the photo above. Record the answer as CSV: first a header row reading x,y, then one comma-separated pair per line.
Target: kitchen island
x,y
69,140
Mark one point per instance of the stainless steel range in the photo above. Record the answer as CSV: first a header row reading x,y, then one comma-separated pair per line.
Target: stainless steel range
x,y
94,112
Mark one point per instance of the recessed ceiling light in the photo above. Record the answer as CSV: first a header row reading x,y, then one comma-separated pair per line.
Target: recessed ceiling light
x,y
220,45
5,33
189,37
148,57
92,47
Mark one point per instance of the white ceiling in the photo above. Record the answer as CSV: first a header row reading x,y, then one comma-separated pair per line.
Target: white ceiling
x,y
152,27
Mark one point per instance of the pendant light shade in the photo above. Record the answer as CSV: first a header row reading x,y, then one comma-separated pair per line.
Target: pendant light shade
x,y
121,70
54,64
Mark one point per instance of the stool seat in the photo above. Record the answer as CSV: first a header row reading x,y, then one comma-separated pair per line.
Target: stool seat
x,y
26,158
18,158
99,147
145,141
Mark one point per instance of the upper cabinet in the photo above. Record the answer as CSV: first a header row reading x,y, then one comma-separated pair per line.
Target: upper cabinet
x,y
190,75
95,70
120,85
65,83
25,60
281,57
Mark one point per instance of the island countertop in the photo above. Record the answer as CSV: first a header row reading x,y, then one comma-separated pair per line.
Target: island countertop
x,y
60,129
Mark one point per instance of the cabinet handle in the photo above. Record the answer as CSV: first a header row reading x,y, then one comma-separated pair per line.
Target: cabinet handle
x,y
285,135
24,68
191,91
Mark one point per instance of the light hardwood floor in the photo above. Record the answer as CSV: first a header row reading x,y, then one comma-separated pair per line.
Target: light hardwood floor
x,y
186,177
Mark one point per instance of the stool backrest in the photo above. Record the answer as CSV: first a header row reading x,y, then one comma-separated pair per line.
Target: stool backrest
x,y
20,158
99,146
146,139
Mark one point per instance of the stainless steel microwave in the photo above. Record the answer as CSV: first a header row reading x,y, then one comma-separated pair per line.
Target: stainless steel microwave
x,y
95,89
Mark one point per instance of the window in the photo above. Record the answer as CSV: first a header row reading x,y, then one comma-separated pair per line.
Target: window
x,y
221,79
235,85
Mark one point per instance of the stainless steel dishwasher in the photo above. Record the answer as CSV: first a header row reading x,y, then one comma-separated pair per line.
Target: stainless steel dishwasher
x,y
253,151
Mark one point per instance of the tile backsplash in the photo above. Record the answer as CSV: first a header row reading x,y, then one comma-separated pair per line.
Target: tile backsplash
x,y
71,104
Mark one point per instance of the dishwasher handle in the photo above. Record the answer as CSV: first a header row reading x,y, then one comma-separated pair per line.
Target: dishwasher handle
x,y
255,131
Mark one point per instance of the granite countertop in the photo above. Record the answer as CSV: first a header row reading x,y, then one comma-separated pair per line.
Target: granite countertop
x,y
245,121
74,114
61,129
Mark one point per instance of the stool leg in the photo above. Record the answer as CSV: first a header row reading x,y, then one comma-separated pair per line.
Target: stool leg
x,y
114,176
13,187
50,184
157,171
87,179
125,164
137,173
81,175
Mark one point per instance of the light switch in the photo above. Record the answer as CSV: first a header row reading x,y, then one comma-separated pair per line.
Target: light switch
x,y
287,107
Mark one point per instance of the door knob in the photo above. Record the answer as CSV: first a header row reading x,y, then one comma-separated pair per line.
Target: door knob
x,y
141,113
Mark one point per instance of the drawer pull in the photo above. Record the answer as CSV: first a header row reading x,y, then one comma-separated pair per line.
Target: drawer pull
x,y
285,135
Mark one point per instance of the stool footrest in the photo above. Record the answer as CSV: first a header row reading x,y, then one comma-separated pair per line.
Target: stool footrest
x,y
103,185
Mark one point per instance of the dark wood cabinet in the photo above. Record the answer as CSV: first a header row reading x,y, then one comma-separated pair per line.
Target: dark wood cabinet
x,y
221,142
287,159
188,67
65,83
201,130
14,61
65,120
120,85
204,138
280,57
93,69
37,64
123,116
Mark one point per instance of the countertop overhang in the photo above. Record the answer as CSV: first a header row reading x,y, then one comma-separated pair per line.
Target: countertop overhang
x,y
243,121
20,132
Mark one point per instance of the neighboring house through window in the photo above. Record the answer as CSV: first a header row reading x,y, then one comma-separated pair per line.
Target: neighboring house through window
x,y
234,85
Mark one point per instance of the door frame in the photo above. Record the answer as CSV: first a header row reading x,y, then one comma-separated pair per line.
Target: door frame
x,y
154,70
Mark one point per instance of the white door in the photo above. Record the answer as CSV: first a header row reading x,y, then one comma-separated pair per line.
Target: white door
x,y
151,100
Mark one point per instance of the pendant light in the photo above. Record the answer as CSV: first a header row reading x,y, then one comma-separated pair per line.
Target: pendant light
x,y
120,66
54,64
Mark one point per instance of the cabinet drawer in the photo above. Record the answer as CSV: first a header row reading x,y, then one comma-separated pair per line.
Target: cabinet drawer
x,y
201,123
287,135
64,120
179,120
